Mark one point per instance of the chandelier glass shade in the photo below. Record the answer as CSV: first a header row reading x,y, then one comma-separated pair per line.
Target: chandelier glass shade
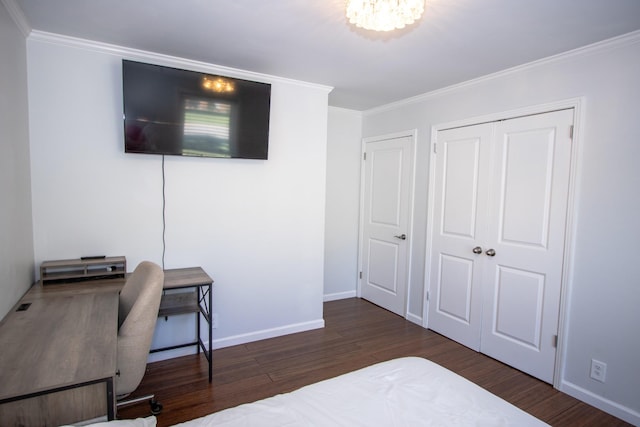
x,y
384,15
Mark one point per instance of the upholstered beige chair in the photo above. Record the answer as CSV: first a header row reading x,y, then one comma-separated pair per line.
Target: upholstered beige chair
x,y
137,314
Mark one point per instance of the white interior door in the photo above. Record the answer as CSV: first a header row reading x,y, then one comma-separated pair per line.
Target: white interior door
x,y
455,303
387,199
528,207
498,233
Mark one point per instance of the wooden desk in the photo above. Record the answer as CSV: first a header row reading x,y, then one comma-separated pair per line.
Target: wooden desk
x,y
199,302
58,359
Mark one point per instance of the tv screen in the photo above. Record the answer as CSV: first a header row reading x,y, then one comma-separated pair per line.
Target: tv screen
x,y
187,113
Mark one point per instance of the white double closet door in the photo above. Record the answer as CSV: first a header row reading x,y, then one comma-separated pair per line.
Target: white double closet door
x,y
498,237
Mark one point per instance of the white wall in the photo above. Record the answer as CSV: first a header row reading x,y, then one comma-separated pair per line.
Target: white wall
x,y
16,236
257,227
604,286
344,147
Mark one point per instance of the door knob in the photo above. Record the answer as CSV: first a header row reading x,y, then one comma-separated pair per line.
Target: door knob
x,y
491,252
477,250
401,237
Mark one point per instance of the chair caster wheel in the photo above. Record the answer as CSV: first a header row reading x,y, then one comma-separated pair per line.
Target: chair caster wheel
x,y
156,407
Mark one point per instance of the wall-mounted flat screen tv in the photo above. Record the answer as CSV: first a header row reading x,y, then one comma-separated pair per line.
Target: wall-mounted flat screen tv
x,y
188,113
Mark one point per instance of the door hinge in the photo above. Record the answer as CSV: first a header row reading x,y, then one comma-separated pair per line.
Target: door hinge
x,y
364,156
555,341
360,274
571,131
427,295
435,150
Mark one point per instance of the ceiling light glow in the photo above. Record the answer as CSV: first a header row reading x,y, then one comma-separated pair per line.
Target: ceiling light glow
x,y
384,15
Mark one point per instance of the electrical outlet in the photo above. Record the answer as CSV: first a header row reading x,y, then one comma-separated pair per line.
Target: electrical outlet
x,y
598,370
214,321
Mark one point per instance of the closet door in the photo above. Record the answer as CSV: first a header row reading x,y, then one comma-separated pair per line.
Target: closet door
x,y
498,231
459,230
524,252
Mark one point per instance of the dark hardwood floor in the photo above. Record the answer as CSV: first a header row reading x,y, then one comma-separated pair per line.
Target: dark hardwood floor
x,y
356,334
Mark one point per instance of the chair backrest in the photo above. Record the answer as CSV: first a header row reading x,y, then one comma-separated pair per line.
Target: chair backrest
x,y
137,314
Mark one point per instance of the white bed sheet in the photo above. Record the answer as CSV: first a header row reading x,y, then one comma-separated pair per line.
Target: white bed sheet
x,y
409,391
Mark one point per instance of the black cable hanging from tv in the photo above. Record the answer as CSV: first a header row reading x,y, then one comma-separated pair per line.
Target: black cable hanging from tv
x,y
164,222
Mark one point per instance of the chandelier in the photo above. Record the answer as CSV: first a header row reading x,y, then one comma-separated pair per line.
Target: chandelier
x,y
384,15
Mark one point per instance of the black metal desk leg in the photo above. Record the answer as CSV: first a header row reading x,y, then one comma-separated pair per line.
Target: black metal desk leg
x,y
210,331
198,323
111,400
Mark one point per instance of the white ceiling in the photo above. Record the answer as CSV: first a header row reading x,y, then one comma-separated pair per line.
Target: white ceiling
x,y
311,40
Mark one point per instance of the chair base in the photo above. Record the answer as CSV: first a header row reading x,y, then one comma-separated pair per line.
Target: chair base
x,y
155,406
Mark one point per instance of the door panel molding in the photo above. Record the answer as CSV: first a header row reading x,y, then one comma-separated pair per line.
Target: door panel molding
x,y
518,324
451,281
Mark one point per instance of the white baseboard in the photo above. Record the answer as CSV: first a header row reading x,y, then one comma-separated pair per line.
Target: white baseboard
x,y
339,295
606,405
252,336
239,339
267,333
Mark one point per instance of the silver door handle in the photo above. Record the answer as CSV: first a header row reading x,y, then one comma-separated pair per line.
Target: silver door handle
x,y
491,252
477,250
401,237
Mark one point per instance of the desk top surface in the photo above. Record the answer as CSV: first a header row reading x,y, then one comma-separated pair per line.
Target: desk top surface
x,y
173,279
186,277
58,341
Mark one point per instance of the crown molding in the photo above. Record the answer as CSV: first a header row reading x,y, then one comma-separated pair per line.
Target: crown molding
x,y
346,110
598,47
18,16
166,60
